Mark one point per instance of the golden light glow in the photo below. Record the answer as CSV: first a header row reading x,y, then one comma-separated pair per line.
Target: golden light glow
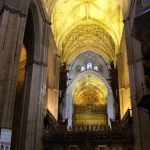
x,y
124,4
90,101
90,88
69,14
52,101
23,59
90,25
23,56
22,70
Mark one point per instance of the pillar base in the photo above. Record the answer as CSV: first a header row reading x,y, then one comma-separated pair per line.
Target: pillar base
x,y
5,138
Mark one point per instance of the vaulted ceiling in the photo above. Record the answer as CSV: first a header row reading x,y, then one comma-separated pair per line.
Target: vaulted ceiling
x,y
87,24
82,25
90,87
79,25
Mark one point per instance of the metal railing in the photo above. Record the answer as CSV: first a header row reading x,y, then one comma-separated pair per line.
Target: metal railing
x,y
118,133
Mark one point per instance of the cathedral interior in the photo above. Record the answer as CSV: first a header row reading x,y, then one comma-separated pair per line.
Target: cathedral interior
x,y
74,74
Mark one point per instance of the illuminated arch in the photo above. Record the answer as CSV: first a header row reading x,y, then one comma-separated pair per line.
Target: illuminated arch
x,y
69,96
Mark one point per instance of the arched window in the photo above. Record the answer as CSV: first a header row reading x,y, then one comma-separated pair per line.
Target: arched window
x,y
67,75
95,68
89,65
82,68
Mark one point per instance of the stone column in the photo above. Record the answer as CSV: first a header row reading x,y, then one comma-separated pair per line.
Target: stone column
x,y
12,25
57,71
31,129
57,75
130,56
33,109
142,33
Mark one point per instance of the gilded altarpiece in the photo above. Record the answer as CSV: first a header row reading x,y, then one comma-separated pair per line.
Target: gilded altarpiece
x,y
90,114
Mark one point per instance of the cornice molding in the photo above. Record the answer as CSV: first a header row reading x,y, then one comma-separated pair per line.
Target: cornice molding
x,y
40,63
12,10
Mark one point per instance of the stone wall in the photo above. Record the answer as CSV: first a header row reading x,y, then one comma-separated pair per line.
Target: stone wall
x,y
13,16
141,121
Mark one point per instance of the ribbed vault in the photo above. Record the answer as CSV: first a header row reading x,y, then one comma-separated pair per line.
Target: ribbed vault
x,y
88,36
124,5
87,24
90,87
